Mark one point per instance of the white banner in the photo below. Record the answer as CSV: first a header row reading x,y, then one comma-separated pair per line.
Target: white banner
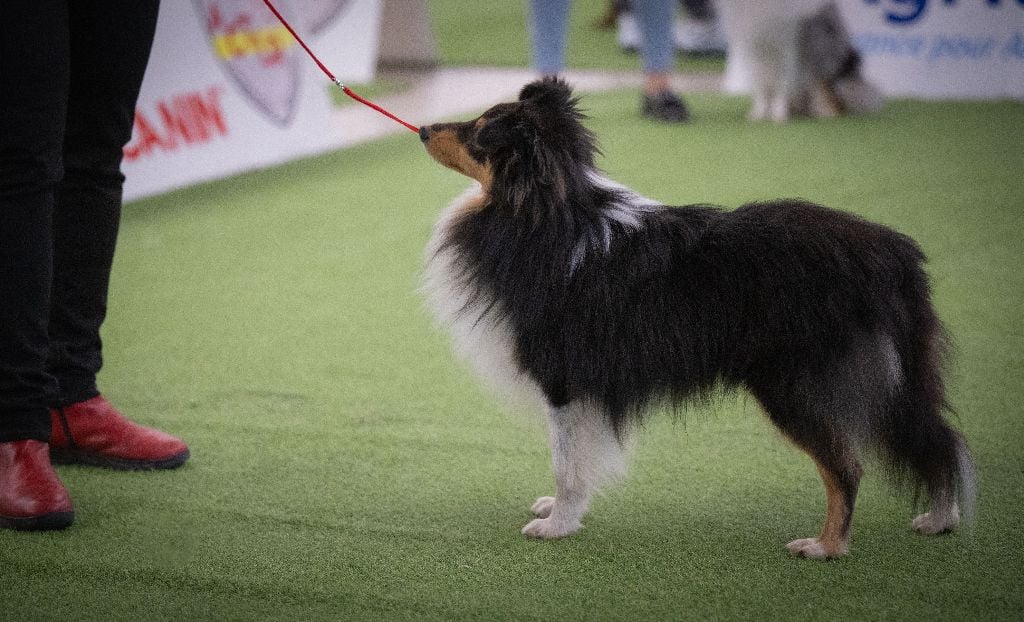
x,y
228,89
937,49
953,49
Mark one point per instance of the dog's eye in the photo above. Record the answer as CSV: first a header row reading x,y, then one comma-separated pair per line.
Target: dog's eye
x,y
491,134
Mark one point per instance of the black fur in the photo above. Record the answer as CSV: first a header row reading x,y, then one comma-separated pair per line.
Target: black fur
x,y
802,305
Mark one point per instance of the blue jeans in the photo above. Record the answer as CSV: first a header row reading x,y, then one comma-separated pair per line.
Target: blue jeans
x,y
549,20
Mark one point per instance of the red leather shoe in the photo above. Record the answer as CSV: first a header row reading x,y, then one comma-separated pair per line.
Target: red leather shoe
x,y
31,495
93,432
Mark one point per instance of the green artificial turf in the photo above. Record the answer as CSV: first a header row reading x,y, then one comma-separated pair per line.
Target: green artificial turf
x,y
345,466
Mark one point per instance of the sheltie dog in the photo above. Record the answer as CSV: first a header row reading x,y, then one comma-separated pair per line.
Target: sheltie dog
x,y
605,304
798,59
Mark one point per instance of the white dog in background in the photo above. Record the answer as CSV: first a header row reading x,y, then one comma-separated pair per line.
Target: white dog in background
x,y
797,57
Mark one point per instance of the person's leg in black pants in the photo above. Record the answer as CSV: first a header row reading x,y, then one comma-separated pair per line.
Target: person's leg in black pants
x,y
110,45
33,103
71,73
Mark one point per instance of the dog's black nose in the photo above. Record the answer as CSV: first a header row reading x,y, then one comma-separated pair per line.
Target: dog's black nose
x,y
424,133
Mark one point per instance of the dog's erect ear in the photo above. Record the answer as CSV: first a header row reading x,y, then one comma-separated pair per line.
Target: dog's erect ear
x,y
548,91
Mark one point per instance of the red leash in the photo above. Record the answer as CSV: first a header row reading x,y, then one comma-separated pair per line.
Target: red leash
x,y
330,75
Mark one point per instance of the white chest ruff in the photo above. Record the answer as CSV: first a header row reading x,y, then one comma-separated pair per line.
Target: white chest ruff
x,y
481,334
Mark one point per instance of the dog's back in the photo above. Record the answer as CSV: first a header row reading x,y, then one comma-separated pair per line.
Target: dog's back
x,y
704,296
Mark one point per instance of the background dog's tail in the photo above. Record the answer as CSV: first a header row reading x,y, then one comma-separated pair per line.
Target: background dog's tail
x,y
919,446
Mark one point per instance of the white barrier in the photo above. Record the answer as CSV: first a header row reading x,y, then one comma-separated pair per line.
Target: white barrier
x,y
937,49
962,49
228,89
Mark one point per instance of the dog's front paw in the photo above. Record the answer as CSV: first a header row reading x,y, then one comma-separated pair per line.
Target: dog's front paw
x,y
547,528
814,548
541,508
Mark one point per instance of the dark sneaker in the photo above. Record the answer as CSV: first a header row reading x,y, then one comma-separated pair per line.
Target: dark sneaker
x,y
665,106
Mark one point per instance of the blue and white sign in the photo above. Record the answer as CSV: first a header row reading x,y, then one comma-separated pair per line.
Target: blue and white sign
x,y
950,49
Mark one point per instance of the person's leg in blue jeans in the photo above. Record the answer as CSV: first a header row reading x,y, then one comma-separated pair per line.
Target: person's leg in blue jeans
x,y
657,49
549,21
658,56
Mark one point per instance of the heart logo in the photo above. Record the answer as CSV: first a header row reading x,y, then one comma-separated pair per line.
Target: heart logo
x,y
257,51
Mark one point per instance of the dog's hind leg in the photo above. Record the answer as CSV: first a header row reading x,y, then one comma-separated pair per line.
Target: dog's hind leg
x,y
585,453
841,481
836,458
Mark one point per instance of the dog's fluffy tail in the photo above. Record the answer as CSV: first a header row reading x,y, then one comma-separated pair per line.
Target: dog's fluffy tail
x,y
918,445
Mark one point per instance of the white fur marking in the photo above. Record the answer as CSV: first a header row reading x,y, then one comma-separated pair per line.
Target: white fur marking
x,y
968,482
811,548
937,521
891,360
585,455
627,212
481,335
944,509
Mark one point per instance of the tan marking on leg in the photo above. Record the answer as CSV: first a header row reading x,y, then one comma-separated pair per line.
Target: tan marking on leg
x,y
834,532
